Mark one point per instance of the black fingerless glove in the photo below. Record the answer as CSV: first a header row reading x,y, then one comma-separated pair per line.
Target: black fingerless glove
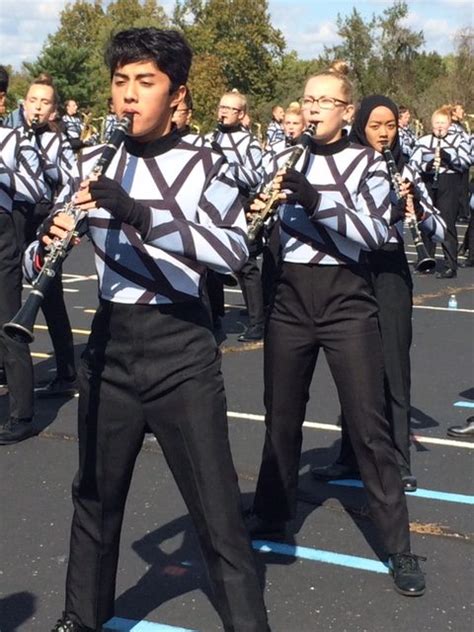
x,y
108,194
302,191
445,158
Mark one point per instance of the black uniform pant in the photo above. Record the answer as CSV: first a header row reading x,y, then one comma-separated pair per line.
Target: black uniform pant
x,y
251,286
392,284
329,307
156,366
270,262
59,327
16,355
446,199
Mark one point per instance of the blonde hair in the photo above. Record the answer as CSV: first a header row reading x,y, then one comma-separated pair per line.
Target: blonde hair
x,y
242,97
294,108
339,69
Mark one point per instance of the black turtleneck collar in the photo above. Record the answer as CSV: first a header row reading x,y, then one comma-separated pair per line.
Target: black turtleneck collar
x,y
330,148
153,147
228,129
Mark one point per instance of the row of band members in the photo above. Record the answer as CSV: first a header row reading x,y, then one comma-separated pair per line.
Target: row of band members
x,y
340,281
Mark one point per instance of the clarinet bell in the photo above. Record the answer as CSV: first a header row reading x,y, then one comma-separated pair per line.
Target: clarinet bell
x,y
20,328
425,265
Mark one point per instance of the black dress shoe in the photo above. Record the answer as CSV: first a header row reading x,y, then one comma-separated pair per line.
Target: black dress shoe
x,y
449,273
463,432
253,333
58,387
407,575
261,529
16,430
334,472
3,379
410,483
65,624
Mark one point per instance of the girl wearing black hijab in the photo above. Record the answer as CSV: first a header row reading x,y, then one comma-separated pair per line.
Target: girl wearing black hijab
x,y
376,126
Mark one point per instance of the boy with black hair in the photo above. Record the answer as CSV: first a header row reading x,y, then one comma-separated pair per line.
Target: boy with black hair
x,y
165,211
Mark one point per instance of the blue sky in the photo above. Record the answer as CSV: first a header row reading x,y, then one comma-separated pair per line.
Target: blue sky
x,y
307,25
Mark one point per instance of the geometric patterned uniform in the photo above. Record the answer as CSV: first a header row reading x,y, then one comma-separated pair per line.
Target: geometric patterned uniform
x,y
275,132
244,155
58,164
391,280
445,193
152,361
323,299
407,141
20,183
73,126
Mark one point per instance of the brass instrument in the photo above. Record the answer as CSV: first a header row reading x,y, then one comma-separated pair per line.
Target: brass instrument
x,y
20,328
424,261
259,219
89,130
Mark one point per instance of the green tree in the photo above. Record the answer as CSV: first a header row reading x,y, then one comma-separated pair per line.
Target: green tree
x,y
240,35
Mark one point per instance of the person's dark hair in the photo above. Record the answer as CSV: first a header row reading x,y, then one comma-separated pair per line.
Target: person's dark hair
x,y
166,48
188,100
4,79
402,109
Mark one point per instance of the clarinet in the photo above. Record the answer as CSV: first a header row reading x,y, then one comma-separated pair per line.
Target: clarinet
x,y
30,134
437,163
20,328
271,205
424,261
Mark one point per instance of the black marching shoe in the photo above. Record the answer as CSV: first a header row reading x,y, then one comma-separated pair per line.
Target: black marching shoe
x,y
410,483
65,624
15,430
407,575
463,432
261,529
58,387
3,379
335,471
253,333
449,273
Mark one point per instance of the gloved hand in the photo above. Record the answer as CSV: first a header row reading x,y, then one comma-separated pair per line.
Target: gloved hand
x,y
110,195
302,191
445,157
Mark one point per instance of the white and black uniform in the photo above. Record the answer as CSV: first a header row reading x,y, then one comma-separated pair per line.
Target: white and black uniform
x,y
244,155
445,191
275,132
464,211
58,166
110,124
152,360
393,287
407,141
324,299
20,183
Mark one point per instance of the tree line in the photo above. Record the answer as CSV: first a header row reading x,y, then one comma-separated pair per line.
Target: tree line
x,y
236,46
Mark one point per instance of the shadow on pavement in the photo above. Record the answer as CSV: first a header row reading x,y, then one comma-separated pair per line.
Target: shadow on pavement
x,y
15,609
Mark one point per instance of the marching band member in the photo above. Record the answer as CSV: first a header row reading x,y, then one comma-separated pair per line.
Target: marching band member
x,y
375,126
275,130
21,182
334,208
244,155
407,137
164,212
440,158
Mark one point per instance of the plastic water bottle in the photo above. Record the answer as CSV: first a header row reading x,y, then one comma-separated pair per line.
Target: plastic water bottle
x,y
453,302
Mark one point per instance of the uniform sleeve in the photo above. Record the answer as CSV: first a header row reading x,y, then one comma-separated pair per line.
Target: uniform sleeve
x,y
431,223
367,224
25,183
217,238
248,173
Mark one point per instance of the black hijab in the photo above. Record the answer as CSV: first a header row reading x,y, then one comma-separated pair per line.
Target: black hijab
x,y
361,118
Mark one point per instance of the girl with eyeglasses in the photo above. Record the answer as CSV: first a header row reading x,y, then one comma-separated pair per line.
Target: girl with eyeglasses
x,y
334,208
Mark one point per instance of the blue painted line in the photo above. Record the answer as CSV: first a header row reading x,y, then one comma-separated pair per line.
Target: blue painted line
x,y
319,555
447,497
464,404
128,625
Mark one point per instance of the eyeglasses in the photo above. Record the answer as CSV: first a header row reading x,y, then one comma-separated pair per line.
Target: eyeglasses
x,y
227,108
325,103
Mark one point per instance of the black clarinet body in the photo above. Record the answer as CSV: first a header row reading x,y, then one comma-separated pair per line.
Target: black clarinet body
x,y
424,261
271,205
20,328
